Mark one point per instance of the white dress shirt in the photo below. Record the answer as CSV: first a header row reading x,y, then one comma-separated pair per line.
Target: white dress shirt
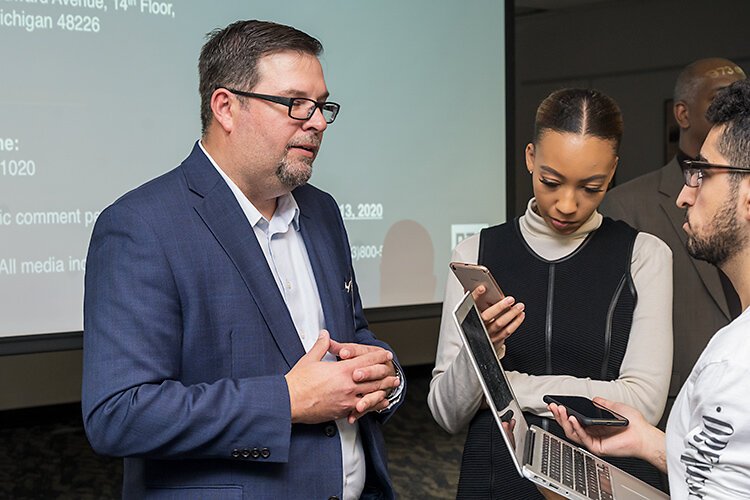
x,y
289,262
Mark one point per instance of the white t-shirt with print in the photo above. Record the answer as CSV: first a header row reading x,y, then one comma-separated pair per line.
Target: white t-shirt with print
x,y
708,432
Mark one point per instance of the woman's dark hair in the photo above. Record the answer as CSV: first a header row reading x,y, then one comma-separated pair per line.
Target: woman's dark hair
x,y
579,111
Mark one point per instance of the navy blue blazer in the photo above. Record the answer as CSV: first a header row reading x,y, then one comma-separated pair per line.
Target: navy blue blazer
x,y
187,339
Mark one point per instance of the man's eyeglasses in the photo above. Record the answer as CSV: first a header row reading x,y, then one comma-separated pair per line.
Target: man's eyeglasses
x,y
300,108
693,171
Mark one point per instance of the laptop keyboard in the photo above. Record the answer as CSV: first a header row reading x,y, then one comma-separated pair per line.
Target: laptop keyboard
x,y
568,465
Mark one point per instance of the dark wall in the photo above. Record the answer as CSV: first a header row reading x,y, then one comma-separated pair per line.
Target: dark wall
x,y
631,51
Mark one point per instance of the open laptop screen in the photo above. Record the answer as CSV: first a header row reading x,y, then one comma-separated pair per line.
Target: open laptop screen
x,y
485,356
492,377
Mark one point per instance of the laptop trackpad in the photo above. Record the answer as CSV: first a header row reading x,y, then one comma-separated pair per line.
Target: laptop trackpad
x,y
626,493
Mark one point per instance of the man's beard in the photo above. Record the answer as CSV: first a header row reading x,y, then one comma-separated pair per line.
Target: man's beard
x,y
725,240
292,176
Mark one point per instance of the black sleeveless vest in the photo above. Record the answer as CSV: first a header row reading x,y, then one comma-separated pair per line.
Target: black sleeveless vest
x,y
579,309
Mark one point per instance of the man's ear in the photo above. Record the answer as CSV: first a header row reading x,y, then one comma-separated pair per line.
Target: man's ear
x,y
223,108
743,207
681,114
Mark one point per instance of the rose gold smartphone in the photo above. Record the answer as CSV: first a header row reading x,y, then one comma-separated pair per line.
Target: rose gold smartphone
x,y
471,276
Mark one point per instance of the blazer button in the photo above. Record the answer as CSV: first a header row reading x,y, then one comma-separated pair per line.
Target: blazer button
x,y
265,452
330,430
235,453
245,453
255,453
334,497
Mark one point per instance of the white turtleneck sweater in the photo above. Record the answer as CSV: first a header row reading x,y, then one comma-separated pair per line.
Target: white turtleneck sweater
x,y
455,393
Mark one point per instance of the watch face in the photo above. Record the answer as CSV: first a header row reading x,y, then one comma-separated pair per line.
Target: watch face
x,y
394,392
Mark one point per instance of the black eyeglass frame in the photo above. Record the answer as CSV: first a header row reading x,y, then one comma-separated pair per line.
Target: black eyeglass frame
x,y
693,167
289,103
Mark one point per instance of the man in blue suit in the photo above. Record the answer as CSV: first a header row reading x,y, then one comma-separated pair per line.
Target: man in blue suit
x,y
226,354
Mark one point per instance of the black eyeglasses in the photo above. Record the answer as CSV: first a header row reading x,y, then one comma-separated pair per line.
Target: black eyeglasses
x,y
693,171
300,108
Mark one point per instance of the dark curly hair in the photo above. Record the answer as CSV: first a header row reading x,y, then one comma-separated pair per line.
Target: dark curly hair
x,y
579,111
731,107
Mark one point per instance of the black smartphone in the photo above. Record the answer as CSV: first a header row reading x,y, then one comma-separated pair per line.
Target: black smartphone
x,y
586,411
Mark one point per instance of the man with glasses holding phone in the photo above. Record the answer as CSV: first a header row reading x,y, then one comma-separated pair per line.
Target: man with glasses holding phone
x,y
226,354
706,449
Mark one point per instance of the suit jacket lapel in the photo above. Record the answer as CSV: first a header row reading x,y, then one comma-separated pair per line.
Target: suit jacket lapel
x,y
226,221
670,185
326,268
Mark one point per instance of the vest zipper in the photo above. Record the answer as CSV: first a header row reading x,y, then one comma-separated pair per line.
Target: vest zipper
x,y
548,326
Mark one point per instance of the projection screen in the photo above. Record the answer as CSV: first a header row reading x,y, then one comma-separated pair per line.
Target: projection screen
x,y
98,96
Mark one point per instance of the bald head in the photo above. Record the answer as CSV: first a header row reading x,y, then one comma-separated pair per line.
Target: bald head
x,y
694,91
701,72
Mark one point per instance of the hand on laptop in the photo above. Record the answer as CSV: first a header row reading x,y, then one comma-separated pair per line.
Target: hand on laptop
x,y
502,318
638,439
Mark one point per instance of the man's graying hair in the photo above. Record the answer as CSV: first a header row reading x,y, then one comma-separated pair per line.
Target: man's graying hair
x,y
230,56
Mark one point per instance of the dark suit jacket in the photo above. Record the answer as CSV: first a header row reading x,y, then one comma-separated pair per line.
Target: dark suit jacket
x,y
187,340
700,309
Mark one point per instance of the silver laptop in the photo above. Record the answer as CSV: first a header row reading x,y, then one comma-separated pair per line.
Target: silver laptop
x,y
539,455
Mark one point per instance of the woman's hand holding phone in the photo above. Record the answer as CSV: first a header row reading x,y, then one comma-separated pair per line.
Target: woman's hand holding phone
x,y
501,318
501,315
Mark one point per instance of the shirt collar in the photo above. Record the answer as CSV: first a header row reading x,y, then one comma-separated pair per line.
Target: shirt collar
x,y
287,209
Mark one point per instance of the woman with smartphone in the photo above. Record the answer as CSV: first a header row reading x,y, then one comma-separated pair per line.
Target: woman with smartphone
x,y
588,300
